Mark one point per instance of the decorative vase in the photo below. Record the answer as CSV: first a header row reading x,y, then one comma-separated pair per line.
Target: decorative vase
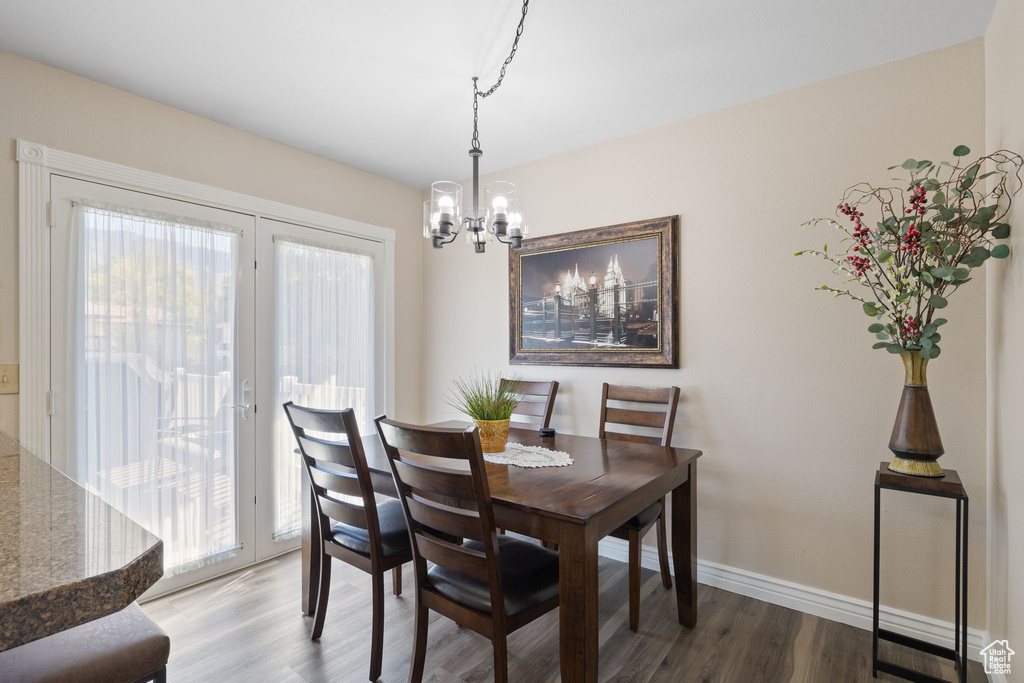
x,y
915,435
493,435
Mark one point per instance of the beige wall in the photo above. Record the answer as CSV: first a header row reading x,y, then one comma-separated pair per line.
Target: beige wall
x,y
74,114
1004,64
780,386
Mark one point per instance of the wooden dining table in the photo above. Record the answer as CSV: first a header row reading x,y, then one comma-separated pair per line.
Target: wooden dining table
x,y
575,507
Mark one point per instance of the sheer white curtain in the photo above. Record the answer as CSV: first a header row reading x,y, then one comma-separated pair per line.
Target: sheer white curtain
x,y
152,303
323,349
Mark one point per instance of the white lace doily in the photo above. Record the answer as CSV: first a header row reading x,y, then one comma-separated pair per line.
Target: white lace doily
x,y
529,456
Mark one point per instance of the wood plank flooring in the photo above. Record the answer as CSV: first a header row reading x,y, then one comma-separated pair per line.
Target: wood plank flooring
x,y
247,627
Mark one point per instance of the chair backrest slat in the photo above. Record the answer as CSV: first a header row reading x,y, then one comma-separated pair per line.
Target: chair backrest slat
x,y
472,563
456,521
428,517
662,419
441,481
635,418
635,438
537,401
346,483
618,392
341,511
327,451
533,408
336,468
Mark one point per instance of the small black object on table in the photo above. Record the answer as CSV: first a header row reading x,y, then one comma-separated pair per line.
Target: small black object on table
x,y
947,486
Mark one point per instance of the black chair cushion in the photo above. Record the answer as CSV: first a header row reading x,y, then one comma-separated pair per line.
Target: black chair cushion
x,y
639,522
394,534
529,576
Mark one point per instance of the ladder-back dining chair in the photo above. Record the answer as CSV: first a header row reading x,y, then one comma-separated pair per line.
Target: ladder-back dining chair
x,y
535,406
368,536
661,419
490,584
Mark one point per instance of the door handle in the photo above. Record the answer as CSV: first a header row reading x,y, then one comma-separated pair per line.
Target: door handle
x,y
245,405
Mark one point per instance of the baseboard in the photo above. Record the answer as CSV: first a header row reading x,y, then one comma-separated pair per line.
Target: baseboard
x,y
845,610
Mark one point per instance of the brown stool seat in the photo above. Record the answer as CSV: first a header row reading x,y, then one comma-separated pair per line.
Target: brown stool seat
x,y
123,647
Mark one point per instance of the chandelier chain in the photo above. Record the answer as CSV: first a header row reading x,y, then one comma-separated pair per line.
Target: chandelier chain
x,y
479,94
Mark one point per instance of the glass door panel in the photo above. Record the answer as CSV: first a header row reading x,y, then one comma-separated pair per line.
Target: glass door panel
x,y
322,355
152,305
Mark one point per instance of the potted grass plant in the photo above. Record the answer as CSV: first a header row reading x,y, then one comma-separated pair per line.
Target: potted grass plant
x,y
489,401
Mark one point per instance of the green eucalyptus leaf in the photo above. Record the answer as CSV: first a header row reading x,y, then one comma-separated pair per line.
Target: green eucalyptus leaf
x,y
946,213
936,338
939,198
879,345
927,278
894,348
926,344
961,151
1000,251
871,309
928,330
1001,231
876,327
910,164
882,335
938,302
961,274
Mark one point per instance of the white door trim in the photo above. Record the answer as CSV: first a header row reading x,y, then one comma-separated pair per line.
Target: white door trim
x,y
36,162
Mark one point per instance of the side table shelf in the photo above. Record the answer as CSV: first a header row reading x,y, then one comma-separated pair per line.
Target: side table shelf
x,y
948,486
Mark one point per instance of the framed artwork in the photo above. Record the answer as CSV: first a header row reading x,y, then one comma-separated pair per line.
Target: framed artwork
x,y
604,297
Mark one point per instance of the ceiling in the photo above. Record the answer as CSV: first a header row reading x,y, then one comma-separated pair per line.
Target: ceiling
x,y
385,86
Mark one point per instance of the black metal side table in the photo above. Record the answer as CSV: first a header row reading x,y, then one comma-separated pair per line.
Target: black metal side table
x,y
948,486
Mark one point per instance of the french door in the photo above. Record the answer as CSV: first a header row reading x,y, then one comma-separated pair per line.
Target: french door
x,y
178,330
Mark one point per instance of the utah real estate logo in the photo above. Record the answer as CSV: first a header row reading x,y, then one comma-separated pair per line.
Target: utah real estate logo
x,y
997,657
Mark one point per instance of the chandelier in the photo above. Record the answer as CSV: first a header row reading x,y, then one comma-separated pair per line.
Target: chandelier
x,y
503,215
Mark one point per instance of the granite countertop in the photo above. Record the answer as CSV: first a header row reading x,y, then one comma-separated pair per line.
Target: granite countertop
x,y
66,557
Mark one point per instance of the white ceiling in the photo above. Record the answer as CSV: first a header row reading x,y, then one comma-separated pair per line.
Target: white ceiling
x,y
384,86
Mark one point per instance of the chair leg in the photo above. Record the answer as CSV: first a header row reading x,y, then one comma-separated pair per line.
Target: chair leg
x,y
396,580
500,659
377,637
666,575
634,580
321,600
419,642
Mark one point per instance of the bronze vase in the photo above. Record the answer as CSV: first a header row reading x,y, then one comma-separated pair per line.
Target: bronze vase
x,y
915,437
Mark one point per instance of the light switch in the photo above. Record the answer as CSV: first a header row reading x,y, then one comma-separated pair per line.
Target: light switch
x,y
8,378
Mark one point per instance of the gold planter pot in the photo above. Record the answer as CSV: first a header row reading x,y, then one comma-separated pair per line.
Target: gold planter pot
x,y
493,435
915,435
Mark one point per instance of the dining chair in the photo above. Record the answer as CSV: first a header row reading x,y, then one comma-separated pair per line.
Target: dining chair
x,y
662,419
492,585
368,536
536,405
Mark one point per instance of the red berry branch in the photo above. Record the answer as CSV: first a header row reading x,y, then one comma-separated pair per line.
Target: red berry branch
x,y
928,237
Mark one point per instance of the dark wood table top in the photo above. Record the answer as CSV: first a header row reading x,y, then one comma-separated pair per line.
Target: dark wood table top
x,y
604,473
66,557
